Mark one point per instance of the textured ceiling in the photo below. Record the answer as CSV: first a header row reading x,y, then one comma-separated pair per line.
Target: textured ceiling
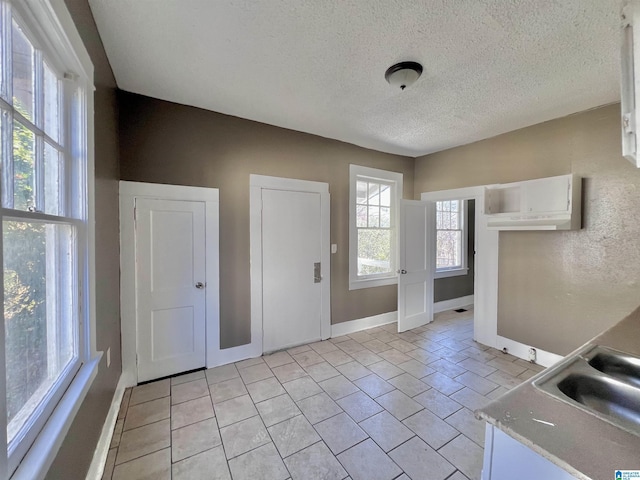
x,y
317,66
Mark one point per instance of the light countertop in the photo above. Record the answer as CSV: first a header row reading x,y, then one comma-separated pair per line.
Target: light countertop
x,y
587,447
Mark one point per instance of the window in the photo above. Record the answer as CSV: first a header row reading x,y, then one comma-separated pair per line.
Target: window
x,y
45,211
451,242
374,198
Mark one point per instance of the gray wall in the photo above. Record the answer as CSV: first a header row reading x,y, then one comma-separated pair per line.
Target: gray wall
x,y
558,289
449,288
163,142
75,455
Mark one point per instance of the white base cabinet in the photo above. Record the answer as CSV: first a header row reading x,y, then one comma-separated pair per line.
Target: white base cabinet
x,y
505,458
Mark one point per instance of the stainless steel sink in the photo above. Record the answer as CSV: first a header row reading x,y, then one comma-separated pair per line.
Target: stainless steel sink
x,y
616,364
601,381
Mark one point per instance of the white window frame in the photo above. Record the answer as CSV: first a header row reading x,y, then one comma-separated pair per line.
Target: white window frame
x,y
357,172
464,269
53,32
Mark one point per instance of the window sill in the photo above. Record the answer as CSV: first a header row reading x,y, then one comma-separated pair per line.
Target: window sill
x,y
40,456
451,273
373,282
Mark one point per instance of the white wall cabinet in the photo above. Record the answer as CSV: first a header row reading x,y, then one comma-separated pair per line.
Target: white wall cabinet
x,y
629,91
552,203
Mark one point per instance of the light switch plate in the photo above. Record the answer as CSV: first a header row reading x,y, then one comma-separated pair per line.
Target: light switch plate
x,y
334,248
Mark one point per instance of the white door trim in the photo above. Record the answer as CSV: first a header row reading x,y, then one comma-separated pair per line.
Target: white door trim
x,y
129,191
257,183
485,323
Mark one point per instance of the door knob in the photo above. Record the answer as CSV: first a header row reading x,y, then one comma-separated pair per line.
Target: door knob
x,y
199,285
403,272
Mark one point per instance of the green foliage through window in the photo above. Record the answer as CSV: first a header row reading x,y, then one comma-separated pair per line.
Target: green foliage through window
x,y
24,258
374,227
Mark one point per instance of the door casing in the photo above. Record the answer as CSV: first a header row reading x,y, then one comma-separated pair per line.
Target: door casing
x,y
257,183
129,191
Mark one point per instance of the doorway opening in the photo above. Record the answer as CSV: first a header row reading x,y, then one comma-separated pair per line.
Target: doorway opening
x,y
455,254
485,266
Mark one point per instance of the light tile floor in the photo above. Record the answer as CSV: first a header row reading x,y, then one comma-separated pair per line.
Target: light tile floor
x,y
374,405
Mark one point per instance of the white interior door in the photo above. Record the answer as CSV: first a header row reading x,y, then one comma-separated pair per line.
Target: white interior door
x,y
417,263
170,287
291,270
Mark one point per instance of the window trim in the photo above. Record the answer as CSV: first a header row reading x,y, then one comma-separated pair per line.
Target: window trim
x,y
395,178
464,269
55,33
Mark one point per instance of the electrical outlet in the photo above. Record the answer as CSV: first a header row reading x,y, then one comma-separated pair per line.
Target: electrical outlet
x,y
532,355
108,357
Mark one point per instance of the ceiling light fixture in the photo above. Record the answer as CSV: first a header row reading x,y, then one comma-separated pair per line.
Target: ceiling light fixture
x,y
403,74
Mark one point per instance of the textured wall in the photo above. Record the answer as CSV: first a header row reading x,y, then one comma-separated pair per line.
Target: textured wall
x,y
462,285
558,289
163,142
76,452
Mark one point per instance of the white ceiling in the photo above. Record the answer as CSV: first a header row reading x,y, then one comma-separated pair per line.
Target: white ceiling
x,y
317,66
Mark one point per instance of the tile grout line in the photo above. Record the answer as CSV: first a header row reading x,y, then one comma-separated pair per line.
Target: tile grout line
x,y
450,334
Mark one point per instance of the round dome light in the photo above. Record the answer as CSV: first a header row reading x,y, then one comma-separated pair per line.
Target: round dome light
x,y
403,74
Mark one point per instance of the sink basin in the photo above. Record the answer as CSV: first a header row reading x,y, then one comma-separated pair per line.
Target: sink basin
x,y
600,381
619,402
617,365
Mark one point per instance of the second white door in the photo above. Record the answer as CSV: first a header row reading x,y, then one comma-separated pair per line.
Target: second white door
x,y
417,264
291,268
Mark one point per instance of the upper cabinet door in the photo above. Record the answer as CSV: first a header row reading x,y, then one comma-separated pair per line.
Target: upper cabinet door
x,y
547,195
630,76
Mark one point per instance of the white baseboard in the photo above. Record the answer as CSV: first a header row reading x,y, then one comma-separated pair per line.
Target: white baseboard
x,y
96,469
128,379
353,326
452,304
520,350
